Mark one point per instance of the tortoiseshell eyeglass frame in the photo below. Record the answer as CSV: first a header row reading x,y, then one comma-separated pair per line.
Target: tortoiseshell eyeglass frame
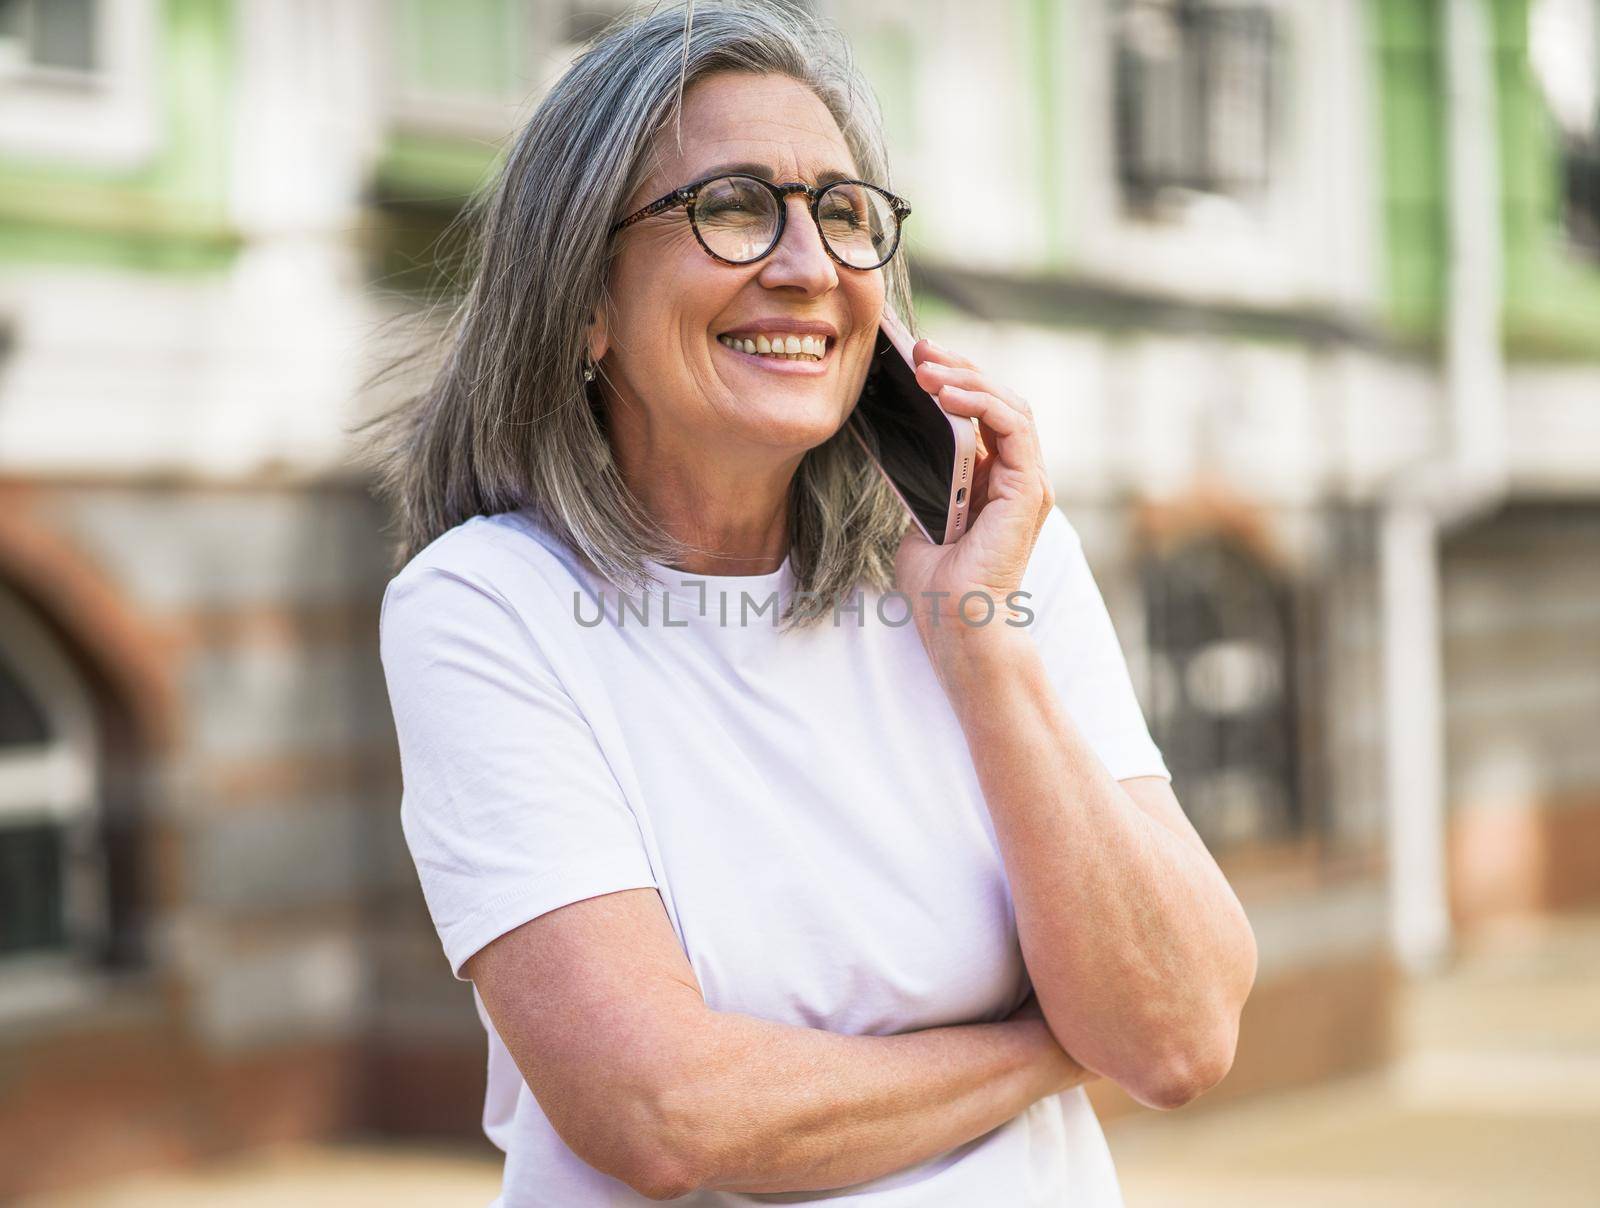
x,y
686,197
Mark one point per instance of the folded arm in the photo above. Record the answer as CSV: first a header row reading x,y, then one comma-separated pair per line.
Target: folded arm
x,y
1137,947
604,1017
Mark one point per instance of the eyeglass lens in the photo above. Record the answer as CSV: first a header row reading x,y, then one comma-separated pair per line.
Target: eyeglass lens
x,y
738,220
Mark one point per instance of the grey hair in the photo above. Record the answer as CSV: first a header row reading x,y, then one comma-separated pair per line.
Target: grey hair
x,y
508,422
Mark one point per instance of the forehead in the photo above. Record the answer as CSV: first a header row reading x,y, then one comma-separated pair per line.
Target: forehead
x,y
766,121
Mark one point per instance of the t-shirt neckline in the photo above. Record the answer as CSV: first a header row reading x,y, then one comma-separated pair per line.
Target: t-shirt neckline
x,y
698,596
692,588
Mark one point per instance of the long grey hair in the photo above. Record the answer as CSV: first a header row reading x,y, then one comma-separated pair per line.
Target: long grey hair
x,y
508,422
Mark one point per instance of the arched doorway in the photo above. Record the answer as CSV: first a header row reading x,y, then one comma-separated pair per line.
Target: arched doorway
x,y
54,888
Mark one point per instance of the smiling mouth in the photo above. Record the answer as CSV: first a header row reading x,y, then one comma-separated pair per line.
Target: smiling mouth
x,y
794,348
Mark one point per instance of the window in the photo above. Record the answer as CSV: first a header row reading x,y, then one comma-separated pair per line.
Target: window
x,y
48,38
52,895
31,907
471,68
78,81
1193,87
1564,52
460,69
1221,690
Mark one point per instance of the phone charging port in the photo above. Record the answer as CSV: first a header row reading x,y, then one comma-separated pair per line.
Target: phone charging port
x,y
961,494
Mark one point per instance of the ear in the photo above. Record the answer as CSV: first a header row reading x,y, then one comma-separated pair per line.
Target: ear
x,y
597,336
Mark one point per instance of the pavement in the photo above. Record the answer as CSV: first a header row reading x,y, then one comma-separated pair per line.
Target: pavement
x,y
1495,1100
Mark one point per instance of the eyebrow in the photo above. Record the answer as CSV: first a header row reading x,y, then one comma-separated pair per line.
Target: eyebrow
x,y
827,176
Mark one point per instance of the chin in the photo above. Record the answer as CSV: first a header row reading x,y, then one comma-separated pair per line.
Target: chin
x,y
805,430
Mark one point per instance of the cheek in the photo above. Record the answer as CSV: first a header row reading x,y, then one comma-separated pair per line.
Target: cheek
x,y
867,294
878,291
664,310
867,303
657,268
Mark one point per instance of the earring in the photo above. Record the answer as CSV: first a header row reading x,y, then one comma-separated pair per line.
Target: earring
x,y
588,368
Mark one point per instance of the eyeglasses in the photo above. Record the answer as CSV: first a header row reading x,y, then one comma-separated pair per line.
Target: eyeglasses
x,y
738,218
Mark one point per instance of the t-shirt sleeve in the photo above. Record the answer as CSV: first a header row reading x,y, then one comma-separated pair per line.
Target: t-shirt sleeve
x,y
1083,656
508,805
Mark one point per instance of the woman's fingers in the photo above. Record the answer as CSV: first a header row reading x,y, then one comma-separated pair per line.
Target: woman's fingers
x,y
1018,439
994,411
958,382
974,380
1014,430
926,350
937,375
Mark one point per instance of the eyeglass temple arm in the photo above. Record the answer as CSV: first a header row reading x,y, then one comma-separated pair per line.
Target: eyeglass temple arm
x,y
675,198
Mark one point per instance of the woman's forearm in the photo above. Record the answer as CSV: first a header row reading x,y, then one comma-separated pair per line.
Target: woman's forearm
x,y
771,1107
1136,946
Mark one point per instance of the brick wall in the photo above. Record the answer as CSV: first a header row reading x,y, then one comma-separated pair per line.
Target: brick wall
x,y
280,976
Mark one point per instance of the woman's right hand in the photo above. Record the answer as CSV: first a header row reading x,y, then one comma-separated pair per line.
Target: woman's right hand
x,y
1061,1071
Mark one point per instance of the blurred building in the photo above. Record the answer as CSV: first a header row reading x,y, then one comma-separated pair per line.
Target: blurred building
x,y
1306,297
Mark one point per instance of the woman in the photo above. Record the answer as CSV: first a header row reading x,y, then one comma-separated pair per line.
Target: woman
x,y
843,907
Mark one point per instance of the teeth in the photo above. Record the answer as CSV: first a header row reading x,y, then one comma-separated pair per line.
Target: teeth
x,y
787,347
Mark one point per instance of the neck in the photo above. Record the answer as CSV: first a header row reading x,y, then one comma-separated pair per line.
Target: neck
x,y
732,511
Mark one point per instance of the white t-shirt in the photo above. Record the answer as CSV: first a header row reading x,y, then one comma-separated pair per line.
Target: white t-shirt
x,y
804,803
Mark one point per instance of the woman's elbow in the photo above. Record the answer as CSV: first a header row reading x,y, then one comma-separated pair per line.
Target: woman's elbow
x,y
674,1162
654,1165
1183,1075
649,1137
1204,1059
661,1178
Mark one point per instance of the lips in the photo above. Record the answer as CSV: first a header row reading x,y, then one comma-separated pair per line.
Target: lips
x,y
781,325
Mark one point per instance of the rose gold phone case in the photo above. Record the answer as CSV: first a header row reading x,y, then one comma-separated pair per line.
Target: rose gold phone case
x,y
966,444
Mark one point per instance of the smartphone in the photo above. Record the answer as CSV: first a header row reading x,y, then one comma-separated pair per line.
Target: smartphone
x,y
926,454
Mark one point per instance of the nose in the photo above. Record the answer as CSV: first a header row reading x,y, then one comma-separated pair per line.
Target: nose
x,y
800,260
